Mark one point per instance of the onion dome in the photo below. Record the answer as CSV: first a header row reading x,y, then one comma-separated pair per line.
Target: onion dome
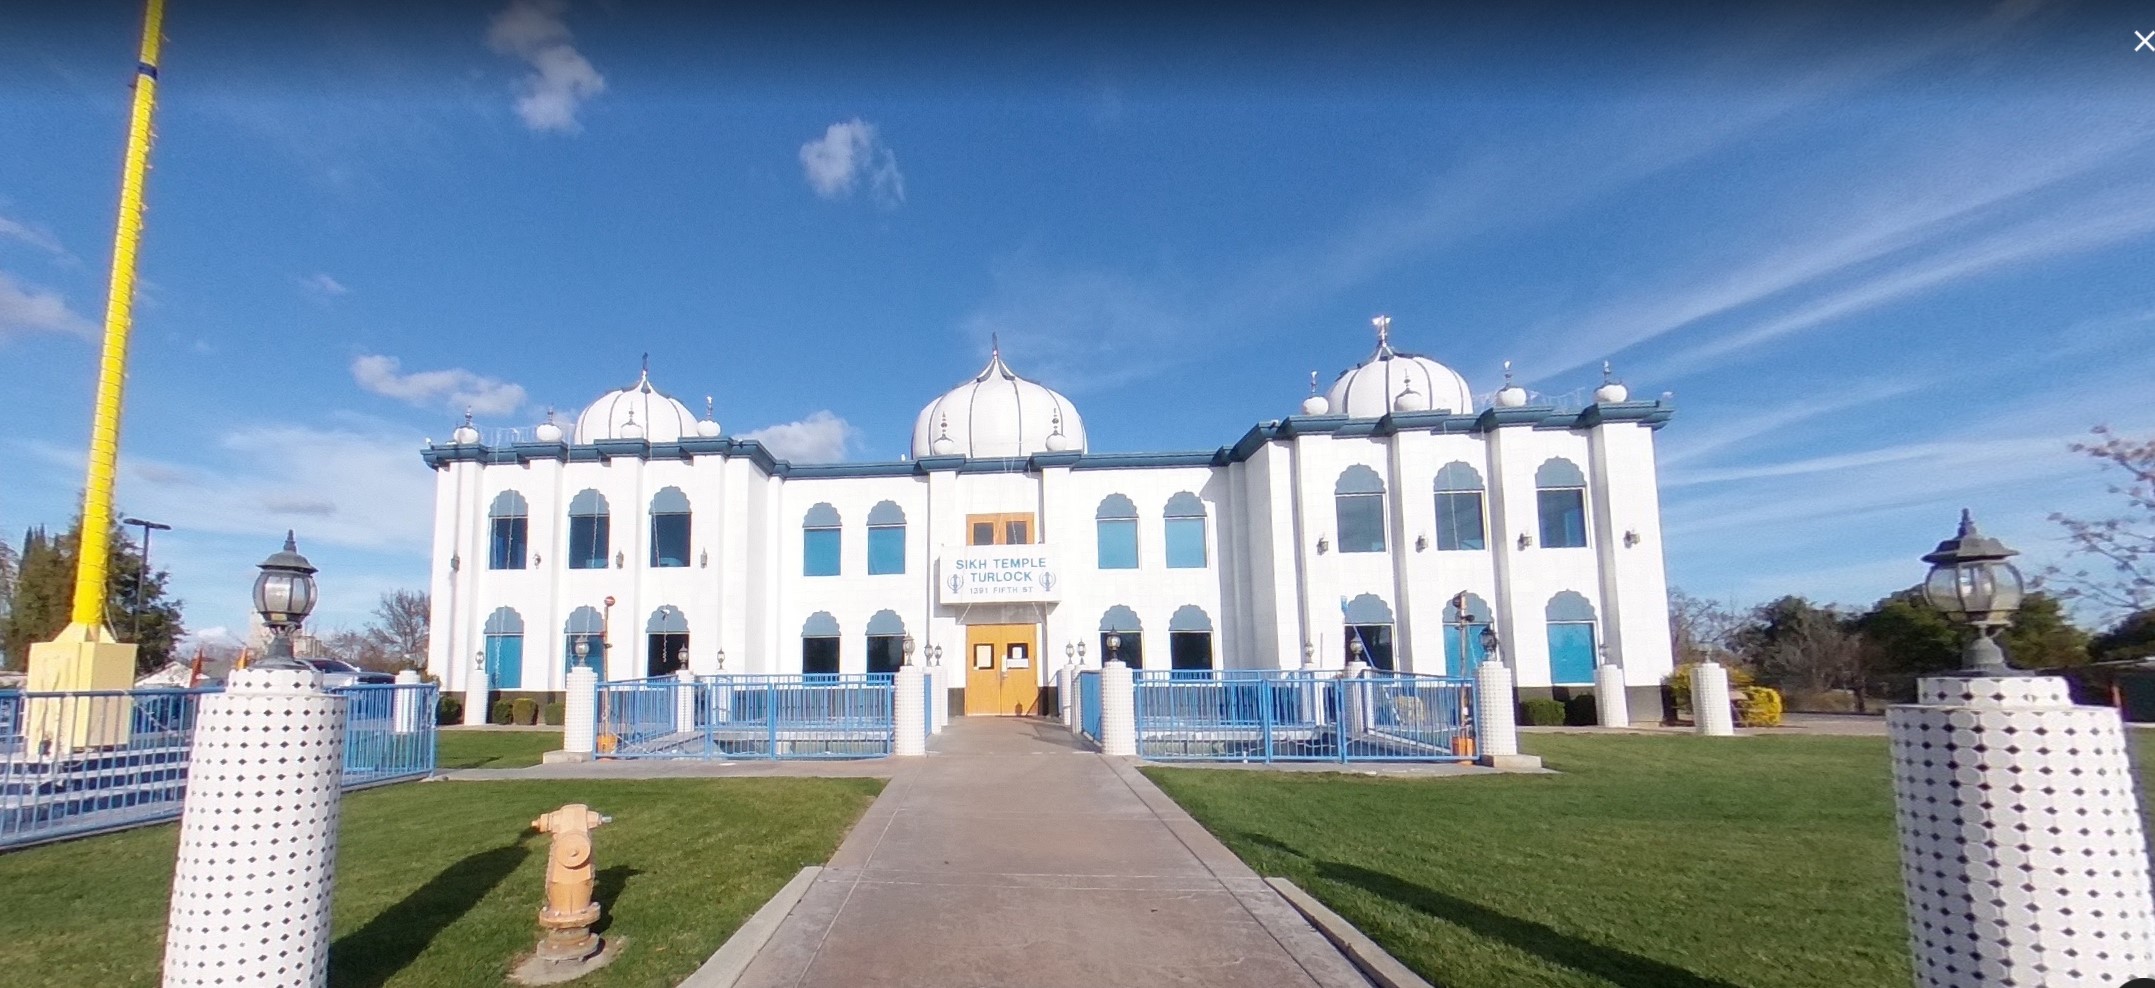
x,y
1315,404
548,431
1371,388
708,427
1410,400
465,435
638,411
998,413
1510,395
1611,390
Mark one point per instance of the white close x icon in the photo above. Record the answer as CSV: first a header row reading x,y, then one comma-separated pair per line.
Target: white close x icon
x,y
2147,40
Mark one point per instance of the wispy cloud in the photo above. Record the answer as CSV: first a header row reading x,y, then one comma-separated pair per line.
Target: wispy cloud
x,y
820,438
1699,440
848,153
33,235
27,309
455,389
1083,330
321,284
561,78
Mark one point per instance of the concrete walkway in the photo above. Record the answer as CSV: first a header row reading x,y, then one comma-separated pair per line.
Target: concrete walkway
x,y
1012,855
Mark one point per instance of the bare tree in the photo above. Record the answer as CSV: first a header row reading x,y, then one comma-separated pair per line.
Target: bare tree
x,y
399,631
1701,630
2119,552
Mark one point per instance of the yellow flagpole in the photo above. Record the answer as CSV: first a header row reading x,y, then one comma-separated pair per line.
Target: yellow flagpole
x,y
84,656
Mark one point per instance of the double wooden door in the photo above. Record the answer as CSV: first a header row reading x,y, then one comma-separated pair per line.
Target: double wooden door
x,y
1002,673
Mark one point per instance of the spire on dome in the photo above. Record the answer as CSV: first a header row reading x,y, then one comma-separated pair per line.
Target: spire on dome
x,y
995,345
1606,372
1384,332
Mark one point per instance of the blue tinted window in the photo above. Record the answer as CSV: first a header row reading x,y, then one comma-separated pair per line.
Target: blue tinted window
x,y
669,540
1361,522
510,538
1118,543
589,537
1563,518
819,552
886,549
1459,521
1186,543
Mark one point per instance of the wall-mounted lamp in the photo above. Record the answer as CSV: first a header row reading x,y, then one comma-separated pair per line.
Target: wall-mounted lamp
x,y
1525,541
536,559
619,559
1631,537
456,562
703,559
722,660
1324,545
1421,542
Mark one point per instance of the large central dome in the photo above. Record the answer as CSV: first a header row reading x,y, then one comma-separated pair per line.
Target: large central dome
x,y
1393,381
998,413
638,411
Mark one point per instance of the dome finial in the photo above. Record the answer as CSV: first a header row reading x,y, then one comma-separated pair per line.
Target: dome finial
x,y
1606,372
995,345
709,408
1312,382
549,413
1384,332
467,415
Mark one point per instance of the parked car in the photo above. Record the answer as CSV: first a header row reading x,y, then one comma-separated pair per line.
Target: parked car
x,y
337,672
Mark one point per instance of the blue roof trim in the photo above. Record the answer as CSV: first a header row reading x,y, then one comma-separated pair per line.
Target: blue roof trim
x,y
1651,414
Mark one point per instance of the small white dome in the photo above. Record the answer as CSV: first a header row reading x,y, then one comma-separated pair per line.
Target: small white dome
x,y
998,413
1369,389
1612,392
635,412
1316,405
1410,400
1511,396
548,432
707,429
464,435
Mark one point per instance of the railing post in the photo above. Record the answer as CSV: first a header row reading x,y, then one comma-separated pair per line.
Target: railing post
x,y
1118,710
265,787
2022,849
404,710
1709,700
1354,706
1264,714
580,713
770,711
1065,695
908,713
1614,708
1496,719
684,701
475,693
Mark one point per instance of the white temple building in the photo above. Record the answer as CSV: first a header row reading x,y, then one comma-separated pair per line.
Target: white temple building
x,y
1004,547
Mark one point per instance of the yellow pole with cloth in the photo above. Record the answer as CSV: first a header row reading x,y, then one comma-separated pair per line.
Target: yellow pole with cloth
x,y
85,656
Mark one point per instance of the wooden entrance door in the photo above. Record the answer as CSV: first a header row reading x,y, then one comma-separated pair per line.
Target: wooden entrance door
x,y
1002,670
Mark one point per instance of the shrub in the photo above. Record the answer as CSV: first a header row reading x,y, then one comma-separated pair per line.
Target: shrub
x,y
1541,712
450,710
1679,683
1758,706
525,710
500,712
554,714
1581,711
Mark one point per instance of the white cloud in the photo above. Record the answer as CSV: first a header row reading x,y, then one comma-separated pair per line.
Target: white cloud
x,y
848,151
35,236
324,285
455,389
561,78
820,438
25,309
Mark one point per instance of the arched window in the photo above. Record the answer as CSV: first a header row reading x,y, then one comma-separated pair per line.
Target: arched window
x,y
886,539
819,542
590,531
585,624
1122,622
505,649
1185,531
669,528
1369,621
1189,639
1358,498
1463,649
819,644
1116,521
1560,493
886,641
1571,639
1459,508
665,642
510,523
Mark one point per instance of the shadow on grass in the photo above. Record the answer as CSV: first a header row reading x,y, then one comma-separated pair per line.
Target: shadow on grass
x,y
369,956
1617,967
606,890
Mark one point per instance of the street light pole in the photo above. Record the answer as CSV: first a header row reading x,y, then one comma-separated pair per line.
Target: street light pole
x,y
142,571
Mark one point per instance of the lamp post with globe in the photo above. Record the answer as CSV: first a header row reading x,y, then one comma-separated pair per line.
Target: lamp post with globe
x,y
1971,582
284,594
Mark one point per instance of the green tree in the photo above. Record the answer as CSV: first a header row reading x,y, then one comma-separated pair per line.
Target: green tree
x,y
2042,637
2133,637
1794,645
43,599
1910,639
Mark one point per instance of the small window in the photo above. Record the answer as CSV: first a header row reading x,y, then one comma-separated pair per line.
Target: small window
x,y
886,642
1185,517
1121,622
1116,525
820,541
1359,505
669,528
1560,496
819,643
983,533
886,539
510,531
1460,509
1017,533
590,531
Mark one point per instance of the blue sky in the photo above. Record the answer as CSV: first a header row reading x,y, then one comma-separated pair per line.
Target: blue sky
x,y
1890,260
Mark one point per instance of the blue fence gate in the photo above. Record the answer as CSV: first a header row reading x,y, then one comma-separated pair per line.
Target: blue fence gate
x,y
812,715
1274,716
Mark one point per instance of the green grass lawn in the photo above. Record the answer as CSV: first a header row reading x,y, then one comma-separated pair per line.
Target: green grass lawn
x,y
1652,862
438,883
493,749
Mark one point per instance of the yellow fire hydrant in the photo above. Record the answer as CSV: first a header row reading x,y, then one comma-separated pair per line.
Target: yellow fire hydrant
x,y
569,911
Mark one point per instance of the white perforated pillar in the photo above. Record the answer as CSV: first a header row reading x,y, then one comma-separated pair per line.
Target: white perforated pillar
x,y
1495,724
1118,710
1066,695
475,692
405,712
684,700
2022,852
910,717
1354,714
1709,700
580,712
258,835
1611,706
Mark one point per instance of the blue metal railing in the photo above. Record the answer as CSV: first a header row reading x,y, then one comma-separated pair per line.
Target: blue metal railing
x,y
1088,691
1269,716
818,715
92,761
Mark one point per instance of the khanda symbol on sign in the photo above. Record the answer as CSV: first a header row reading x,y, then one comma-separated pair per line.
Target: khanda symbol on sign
x,y
957,582
1047,581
